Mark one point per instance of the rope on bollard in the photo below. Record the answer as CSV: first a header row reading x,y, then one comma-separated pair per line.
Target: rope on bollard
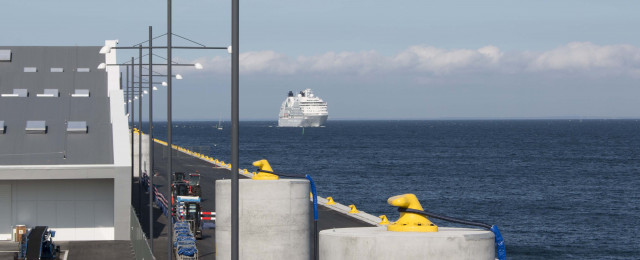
x,y
501,251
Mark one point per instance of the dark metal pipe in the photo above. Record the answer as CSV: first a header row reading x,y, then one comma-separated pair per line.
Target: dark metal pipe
x,y
235,98
133,114
127,110
140,124
127,96
151,189
169,128
316,241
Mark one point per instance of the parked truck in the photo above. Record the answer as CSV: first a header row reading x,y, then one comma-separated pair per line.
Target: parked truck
x,y
189,211
179,187
194,185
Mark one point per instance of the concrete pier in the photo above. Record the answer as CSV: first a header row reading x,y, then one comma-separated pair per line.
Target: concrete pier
x,y
376,243
274,219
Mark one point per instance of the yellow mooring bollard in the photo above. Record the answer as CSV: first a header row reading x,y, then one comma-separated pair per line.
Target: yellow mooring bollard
x,y
263,165
330,201
384,221
353,210
410,222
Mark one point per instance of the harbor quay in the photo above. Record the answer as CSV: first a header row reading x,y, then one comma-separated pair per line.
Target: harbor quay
x,y
77,182
209,174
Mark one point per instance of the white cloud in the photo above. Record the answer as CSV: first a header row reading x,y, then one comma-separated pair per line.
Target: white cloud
x,y
268,62
588,56
442,61
577,57
359,62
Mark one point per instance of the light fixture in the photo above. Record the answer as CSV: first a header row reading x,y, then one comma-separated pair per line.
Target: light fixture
x,y
198,66
136,97
155,88
145,92
164,84
102,65
178,76
105,49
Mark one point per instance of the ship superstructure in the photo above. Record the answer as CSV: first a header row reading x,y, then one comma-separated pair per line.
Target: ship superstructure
x,y
303,110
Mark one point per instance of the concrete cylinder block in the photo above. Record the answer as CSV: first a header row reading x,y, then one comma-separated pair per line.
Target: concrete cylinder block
x,y
274,219
378,243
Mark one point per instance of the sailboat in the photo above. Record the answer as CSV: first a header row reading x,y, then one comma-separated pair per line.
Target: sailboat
x,y
219,124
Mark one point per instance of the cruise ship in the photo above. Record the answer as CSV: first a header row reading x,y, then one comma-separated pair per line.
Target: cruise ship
x,y
303,110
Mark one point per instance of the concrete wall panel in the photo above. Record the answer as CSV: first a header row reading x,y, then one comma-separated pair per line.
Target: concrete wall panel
x,y
5,215
25,211
46,213
84,214
75,209
103,214
66,217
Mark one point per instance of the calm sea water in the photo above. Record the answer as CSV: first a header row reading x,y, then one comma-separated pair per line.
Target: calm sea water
x,y
558,189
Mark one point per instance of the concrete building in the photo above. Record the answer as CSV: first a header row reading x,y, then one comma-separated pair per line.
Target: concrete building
x,y
64,143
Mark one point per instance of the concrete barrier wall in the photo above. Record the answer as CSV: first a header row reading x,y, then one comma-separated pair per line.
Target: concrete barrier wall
x,y
273,216
376,243
145,154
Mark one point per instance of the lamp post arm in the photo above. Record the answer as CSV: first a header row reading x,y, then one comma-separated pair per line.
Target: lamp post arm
x,y
173,47
157,64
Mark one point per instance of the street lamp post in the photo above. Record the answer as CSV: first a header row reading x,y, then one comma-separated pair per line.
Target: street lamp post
x,y
133,114
140,119
169,127
169,64
235,98
131,97
151,142
128,101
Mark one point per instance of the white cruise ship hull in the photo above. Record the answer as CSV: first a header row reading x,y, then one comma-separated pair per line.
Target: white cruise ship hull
x,y
306,121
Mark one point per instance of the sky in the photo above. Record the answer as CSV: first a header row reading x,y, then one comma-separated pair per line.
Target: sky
x,y
371,59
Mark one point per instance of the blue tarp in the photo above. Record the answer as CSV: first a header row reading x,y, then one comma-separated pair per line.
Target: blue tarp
x,y
187,251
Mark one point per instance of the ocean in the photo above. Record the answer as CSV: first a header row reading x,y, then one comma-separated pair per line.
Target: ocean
x,y
557,189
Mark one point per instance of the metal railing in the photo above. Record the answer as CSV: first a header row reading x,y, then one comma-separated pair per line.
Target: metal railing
x,y
139,240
